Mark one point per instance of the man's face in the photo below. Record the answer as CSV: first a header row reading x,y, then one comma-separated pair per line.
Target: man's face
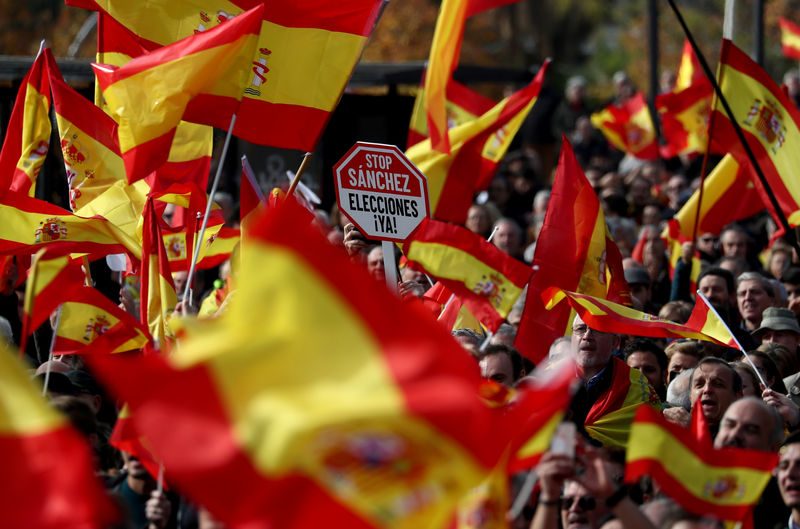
x,y
591,349
712,385
793,293
576,516
134,466
646,362
680,362
507,238
752,299
499,368
375,263
477,220
716,290
705,243
788,339
734,244
745,424
789,475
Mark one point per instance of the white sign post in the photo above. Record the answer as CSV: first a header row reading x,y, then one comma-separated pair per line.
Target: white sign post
x,y
380,191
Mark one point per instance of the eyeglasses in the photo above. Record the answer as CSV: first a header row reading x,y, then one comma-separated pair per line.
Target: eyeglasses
x,y
585,503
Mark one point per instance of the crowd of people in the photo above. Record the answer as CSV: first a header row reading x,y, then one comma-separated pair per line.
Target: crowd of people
x,y
747,402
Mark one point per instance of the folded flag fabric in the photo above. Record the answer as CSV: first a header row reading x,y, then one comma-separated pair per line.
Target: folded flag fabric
x,y
629,127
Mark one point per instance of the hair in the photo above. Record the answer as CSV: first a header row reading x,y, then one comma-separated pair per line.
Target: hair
x,y
682,309
791,275
755,276
785,360
719,272
772,371
513,355
506,329
685,346
737,380
78,412
648,346
683,398
556,342
739,262
470,334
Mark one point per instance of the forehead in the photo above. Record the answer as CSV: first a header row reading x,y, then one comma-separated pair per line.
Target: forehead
x,y
747,411
790,452
733,236
750,284
712,281
706,371
573,488
643,356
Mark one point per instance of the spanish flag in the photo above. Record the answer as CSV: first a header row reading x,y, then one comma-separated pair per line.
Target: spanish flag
x,y
629,127
148,96
86,316
770,123
574,251
790,38
684,119
487,280
27,137
359,423
297,72
158,298
449,310
462,104
190,155
607,316
50,281
726,482
125,438
690,73
30,224
477,147
48,474
706,320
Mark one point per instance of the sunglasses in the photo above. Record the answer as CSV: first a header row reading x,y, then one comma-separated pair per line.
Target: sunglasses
x,y
585,503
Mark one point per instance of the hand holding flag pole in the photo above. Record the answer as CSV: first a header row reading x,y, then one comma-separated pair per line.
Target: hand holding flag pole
x,y
747,356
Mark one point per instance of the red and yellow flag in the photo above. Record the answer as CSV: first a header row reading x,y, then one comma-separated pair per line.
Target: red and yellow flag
x,y
574,251
706,320
629,127
770,123
87,316
27,137
462,105
157,291
725,482
41,452
265,397
50,281
477,147
250,194
148,96
608,316
690,72
684,119
487,280
30,224
297,73
790,38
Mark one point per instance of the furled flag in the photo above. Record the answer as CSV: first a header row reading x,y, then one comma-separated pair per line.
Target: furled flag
x,y
87,316
608,316
574,251
477,147
148,96
29,224
487,280
725,483
157,291
190,155
27,137
462,104
449,310
770,123
50,281
297,73
48,476
629,127
790,38
690,72
266,423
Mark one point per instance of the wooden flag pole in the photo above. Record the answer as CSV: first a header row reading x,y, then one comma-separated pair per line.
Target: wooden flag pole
x,y
736,127
187,293
300,171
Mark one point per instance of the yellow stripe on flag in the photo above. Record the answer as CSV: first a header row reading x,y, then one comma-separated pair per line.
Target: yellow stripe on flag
x,y
35,131
649,441
540,443
790,40
23,411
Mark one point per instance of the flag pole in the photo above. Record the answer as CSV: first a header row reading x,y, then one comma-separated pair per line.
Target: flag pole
x,y
187,293
50,356
300,171
747,356
251,177
738,129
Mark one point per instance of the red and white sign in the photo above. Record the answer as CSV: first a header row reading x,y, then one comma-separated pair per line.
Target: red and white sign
x,y
381,191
